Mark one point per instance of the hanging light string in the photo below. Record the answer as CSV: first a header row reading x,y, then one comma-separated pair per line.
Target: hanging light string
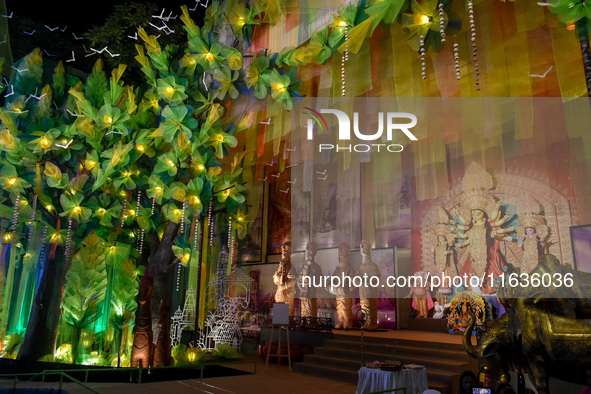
x,y
473,39
210,225
230,240
32,221
178,275
344,58
43,245
196,236
457,61
137,215
422,53
15,215
123,215
183,217
68,239
441,22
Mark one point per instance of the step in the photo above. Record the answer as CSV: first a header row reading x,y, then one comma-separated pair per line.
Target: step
x,y
402,342
451,365
324,371
387,349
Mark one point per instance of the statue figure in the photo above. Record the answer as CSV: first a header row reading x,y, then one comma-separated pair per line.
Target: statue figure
x,y
482,233
443,254
368,294
532,234
343,293
282,278
310,270
421,298
141,353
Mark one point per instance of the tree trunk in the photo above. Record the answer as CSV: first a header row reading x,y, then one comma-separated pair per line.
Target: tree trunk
x,y
161,259
161,264
43,324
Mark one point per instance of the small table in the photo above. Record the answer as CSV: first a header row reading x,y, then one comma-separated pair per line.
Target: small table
x,y
372,380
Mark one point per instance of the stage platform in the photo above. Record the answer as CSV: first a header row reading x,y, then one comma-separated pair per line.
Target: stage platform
x,y
340,357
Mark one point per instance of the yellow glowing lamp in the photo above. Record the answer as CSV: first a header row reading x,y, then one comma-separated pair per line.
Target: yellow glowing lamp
x,y
178,213
123,193
423,19
169,162
220,137
107,119
45,143
340,22
227,192
77,210
190,60
191,356
7,237
200,167
140,148
186,257
240,21
209,56
12,182
194,200
158,189
240,218
130,212
101,211
112,249
155,103
49,207
169,91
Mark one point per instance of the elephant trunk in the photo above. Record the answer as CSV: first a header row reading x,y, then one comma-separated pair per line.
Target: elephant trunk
x,y
467,337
